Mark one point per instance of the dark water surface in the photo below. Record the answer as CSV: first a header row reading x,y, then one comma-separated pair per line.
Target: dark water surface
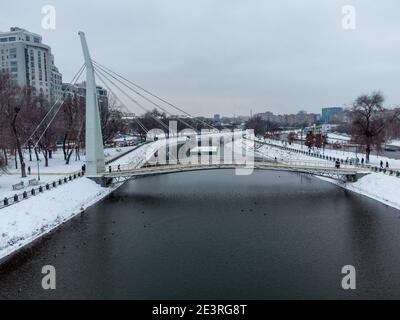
x,y
214,235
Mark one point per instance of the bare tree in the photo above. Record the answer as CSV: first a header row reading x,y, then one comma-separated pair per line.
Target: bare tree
x,y
13,99
6,140
292,136
320,140
368,122
111,119
310,140
46,136
258,124
153,120
69,126
2,164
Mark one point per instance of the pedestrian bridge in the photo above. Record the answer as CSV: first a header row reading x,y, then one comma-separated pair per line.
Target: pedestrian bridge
x,y
343,174
95,163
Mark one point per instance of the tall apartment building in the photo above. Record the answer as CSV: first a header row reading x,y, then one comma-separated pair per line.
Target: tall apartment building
x,y
30,62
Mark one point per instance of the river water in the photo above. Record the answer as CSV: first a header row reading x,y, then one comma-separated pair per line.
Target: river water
x,y
214,235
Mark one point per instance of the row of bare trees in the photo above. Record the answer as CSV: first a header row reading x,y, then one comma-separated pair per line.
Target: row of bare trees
x,y
31,128
155,119
260,126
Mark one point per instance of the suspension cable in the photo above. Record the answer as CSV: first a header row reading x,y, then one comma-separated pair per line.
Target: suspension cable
x,y
141,95
55,114
99,73
73,81
122,104
155,96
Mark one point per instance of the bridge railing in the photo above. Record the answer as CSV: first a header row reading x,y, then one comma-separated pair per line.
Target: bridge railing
x,y
299,165
316,164
8,201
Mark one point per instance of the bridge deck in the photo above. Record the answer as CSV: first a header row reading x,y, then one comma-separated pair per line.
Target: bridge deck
x,y
171,168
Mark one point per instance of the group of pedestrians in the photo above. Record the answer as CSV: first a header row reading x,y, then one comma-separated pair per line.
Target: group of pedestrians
x,y
387,164
118,168
357,160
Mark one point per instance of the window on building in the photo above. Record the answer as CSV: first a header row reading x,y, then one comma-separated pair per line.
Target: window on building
x,y
12,38
3,39
36,40
28,38
13,53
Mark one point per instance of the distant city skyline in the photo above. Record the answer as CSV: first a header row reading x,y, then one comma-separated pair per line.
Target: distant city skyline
x,y
229,57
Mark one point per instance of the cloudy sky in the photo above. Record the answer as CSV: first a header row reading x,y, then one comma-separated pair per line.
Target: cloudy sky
x,y
229,56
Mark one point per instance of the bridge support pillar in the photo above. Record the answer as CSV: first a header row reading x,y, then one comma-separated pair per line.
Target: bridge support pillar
x,y
351,177
94,140
102,181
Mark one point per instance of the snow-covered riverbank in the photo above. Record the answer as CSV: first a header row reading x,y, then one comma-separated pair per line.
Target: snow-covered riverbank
x,y
57,169
378,186
28,220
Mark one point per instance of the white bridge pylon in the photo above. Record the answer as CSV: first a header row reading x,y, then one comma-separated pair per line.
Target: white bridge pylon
x,y
95,165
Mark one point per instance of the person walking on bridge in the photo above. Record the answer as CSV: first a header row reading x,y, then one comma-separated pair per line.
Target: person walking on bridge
x,y
337,164
381,164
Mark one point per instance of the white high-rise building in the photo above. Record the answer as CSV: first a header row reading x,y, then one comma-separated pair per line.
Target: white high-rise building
x,y
30,62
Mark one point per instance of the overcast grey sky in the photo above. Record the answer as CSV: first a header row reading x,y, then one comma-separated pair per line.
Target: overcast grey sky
x,y
227,56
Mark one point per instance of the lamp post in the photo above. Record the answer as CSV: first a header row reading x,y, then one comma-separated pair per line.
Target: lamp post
x,y
38,169
356,154
301,138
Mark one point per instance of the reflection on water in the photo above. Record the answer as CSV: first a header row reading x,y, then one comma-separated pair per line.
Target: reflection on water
x,y
214,235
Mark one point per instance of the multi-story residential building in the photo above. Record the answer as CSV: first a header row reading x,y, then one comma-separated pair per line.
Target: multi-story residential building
x,y
30,62
56,82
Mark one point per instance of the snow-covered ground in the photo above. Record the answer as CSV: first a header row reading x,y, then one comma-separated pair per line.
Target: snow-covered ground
x,y
28,220
394,143
56,170
335,137
378,186
342,154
